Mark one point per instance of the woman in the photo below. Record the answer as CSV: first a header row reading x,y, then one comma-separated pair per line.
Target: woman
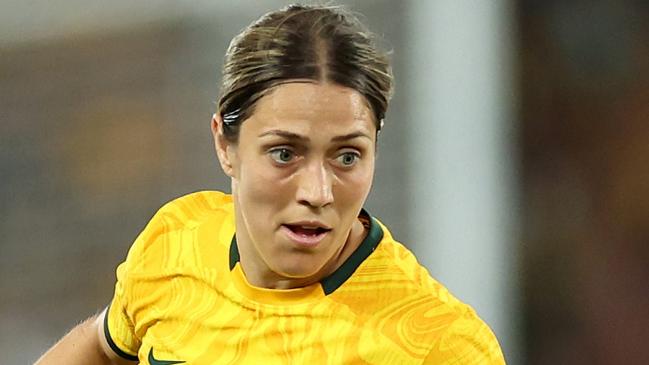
x,y
289,268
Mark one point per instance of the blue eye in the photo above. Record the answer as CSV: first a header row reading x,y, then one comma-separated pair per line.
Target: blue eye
x,y
282,155
348,158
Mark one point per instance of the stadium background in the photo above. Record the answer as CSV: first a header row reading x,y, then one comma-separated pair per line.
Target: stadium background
x,y
514,159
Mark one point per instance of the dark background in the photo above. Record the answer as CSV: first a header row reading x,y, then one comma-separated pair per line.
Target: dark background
x,y
100,126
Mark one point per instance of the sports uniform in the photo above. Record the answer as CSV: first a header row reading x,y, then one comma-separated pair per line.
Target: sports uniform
x,y
182,297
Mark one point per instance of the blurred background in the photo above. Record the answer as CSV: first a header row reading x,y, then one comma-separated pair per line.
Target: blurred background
x,y
514,161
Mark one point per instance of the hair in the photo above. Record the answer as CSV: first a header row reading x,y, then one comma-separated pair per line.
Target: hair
x,y
320,43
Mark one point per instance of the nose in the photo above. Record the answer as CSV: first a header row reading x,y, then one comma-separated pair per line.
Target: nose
x,y
315,186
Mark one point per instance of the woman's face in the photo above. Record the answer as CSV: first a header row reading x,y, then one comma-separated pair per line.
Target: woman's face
x,y
301,171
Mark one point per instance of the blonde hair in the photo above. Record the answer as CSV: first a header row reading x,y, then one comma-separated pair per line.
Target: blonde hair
x,y
320,43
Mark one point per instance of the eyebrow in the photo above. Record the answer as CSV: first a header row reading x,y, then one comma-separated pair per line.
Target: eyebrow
x,y
285,134
299,137
349,136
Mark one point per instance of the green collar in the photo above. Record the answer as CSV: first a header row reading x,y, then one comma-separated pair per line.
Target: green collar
x,y
338,277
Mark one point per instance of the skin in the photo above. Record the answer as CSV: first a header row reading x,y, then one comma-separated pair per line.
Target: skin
x,y
306,154
84,344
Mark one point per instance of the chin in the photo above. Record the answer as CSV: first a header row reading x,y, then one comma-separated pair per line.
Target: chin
x,y
297,272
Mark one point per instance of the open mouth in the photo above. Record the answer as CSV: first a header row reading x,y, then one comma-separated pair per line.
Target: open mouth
x,y
305,235
305,230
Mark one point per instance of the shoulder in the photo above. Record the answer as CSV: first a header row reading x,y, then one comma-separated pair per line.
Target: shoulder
x,y
398,264
181,230
194,207
391,274
469,338
416,311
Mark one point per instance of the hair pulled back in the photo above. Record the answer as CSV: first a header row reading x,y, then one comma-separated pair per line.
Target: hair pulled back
x,y
320,43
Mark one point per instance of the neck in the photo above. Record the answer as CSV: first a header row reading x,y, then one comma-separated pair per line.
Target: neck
x,y
259,274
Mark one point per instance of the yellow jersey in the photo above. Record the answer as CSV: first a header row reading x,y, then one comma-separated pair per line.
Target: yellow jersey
x,y
182,298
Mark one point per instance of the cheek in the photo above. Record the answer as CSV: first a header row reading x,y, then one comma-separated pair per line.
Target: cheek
x,y
261,188
355,186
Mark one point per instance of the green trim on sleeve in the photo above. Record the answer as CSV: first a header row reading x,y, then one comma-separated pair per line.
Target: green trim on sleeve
x,y
112,343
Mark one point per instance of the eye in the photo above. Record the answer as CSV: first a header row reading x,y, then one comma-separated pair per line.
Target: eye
x,y
282,155
348,159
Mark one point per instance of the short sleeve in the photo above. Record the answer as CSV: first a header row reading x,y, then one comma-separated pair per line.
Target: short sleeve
x,y
118,326
139,293
467,341
144,257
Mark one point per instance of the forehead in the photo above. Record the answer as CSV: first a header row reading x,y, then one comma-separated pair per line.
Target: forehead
x,y
318,105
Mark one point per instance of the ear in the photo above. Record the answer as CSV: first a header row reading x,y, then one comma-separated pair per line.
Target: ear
x,y
225,150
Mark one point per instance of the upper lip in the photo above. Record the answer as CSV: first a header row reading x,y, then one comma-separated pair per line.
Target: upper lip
x,y
309,224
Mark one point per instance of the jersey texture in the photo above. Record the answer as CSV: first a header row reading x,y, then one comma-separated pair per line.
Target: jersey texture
x,y
182,297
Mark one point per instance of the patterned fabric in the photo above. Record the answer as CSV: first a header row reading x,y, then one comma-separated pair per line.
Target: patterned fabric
x,y
181,295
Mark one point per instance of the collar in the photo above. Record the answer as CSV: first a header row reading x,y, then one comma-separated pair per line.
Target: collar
x,y
332,282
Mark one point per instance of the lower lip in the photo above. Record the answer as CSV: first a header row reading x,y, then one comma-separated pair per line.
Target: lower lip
x,y
305,240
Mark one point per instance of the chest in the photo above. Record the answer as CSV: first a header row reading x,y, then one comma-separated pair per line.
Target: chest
x,y
225,332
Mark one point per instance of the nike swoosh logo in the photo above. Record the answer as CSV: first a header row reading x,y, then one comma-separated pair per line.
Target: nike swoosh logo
x,y
154,361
